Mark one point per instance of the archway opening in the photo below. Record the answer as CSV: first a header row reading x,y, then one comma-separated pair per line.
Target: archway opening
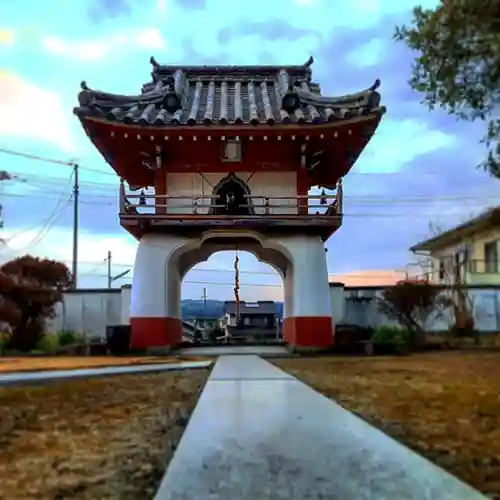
x,y
251,314
232,197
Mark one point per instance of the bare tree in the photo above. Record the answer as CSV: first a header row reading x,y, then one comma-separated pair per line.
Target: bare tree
x,y
455,295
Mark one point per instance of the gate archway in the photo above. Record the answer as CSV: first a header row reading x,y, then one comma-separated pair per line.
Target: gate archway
x,y
162,262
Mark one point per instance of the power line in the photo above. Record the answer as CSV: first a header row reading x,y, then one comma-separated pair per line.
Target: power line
x,y
273,285
49,221
110,186
50,160
211,270
473,202
193,282
93,270
416,198
52,218
231,271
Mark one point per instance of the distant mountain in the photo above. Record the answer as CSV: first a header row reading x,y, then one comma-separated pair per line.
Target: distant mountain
x,y
191,309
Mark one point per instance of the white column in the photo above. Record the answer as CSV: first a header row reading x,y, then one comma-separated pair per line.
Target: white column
x,y
288,293
156,282
311,292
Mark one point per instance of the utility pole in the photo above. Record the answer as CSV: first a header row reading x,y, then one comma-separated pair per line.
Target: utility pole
x,y
76,193
110,278
204,297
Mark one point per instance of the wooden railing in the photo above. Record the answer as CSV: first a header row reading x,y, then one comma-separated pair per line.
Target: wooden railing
x,y
143,204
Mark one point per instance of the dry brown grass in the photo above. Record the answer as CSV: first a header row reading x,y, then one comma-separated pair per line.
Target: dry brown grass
x,y
99,439
28,364
446,405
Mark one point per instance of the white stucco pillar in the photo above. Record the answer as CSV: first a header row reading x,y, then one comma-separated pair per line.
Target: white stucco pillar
x,y
288,293
155,295
310,325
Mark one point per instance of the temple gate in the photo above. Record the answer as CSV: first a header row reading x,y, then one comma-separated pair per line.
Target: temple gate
x,y
232,153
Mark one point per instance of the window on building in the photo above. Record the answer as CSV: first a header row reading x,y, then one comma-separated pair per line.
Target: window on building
x,y
442,269
491,257
466,256
232,150
457,266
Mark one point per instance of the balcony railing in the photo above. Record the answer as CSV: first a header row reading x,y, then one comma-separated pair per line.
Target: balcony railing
x,y
472,272
483,266
209,205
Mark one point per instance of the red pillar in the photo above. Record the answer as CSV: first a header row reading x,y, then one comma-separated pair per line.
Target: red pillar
x,y
155,332
309,332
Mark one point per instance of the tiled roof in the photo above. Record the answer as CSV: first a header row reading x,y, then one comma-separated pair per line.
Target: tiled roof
x,y
205,95
261,307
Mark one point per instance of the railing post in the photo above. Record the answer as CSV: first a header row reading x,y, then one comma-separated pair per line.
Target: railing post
x,y
195,206
340,196
266,204
122,196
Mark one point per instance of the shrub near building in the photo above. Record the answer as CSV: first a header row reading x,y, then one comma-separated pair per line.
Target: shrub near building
x,y
30,288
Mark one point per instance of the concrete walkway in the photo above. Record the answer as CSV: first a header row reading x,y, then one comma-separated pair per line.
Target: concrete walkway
x,y
259,433
40,377
231,350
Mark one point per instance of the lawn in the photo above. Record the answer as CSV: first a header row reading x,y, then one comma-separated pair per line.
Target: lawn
x,y
36,363
97,439
446,406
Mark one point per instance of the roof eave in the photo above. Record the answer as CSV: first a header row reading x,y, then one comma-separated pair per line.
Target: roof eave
x,y
375,115
447,238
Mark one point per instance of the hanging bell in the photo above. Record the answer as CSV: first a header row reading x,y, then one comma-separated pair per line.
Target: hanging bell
x,y
323,200
142,198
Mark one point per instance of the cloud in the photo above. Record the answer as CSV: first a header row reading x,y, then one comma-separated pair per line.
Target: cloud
x,y
58,245
99,49
369,54
102,9
419,167
368,278
32,112
398,142
92,271
194,4
7,37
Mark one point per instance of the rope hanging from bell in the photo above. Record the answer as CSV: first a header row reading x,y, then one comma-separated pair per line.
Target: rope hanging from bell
x,y
237,286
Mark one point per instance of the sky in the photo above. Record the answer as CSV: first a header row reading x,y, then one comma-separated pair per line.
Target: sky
x,y
418,172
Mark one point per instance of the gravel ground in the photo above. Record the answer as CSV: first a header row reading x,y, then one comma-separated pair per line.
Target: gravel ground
x,y
99,439
445,406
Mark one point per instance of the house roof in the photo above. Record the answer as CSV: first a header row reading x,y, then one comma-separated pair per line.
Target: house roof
x,y
249,308
485,221
238,95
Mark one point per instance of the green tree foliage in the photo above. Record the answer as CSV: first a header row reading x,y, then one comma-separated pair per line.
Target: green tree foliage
x,y
458,66
29,290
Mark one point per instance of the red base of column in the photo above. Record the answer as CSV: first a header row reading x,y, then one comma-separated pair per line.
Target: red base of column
x,y
155,332
309,331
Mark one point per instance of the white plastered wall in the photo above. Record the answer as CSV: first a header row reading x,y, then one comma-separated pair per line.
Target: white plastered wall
x,y
265,184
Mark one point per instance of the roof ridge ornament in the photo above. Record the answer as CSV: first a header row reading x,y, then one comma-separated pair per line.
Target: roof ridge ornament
x,y
376,85
309,62
154,62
